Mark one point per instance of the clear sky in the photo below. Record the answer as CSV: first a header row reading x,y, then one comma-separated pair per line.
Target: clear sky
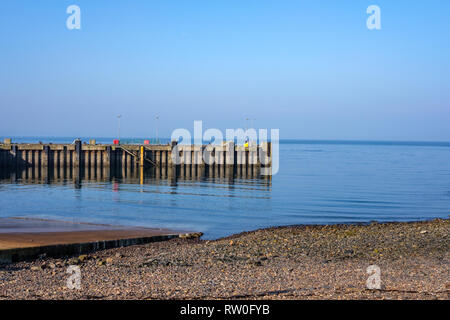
x,y
310,68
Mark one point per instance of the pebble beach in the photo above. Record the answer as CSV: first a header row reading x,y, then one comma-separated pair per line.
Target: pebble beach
x,y
296,262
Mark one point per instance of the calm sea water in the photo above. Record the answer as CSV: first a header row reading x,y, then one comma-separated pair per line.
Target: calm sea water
x,y
319,182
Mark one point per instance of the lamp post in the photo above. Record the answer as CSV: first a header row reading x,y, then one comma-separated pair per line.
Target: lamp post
x,y
157,137
253,119
118,130
251,124
246,138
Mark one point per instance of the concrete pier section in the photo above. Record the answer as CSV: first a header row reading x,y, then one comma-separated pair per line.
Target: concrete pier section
x,y
23,239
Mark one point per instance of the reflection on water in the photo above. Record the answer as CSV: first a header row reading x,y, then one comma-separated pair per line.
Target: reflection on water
x,y
182,197
220,174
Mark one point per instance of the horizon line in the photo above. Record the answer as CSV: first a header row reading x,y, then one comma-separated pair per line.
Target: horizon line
x,y
281,139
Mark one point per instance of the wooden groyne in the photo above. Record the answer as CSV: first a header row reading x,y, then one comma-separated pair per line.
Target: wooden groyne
x,y
79,156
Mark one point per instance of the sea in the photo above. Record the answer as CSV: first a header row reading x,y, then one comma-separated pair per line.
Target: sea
x,y
319,182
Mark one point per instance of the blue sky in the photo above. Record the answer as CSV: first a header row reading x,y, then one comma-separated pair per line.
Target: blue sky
x,y
310,68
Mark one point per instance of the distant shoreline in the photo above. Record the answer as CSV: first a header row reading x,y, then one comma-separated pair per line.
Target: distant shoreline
x,y
69,139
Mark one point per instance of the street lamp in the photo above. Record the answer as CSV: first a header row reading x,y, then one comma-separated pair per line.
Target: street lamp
x,y
118,117
157,138
251,124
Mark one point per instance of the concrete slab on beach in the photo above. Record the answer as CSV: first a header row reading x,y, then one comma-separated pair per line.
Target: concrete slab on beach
x,y
22,238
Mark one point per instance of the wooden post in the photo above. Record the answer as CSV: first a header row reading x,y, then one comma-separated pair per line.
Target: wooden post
x,y
45,156
141,156
3,158
114,165
55,166
14,154
182,170
128,164
123,159
122,162
98,172
244,161
99,158
201,170
253,149
229,159
56,158
107,158
269,150
264,154
115,159
64,157
23,158
27,158
186,155
170,156
87,173
68,158
77,154
216,156
158,157
92,158
229,172
86,158
164,158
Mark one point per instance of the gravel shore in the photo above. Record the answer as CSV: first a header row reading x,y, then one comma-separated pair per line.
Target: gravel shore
x,y
299,262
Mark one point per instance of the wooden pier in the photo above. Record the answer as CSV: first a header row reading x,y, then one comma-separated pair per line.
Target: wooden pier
x,y
105,158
